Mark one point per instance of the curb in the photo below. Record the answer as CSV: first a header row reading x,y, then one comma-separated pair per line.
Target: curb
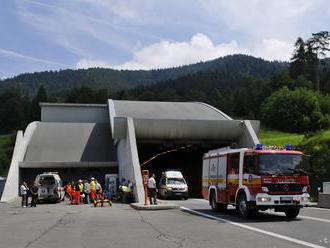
x,y
140,206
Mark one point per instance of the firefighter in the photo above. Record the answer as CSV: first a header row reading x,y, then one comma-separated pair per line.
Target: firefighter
x,y
98,189
93,189
87,191
81,189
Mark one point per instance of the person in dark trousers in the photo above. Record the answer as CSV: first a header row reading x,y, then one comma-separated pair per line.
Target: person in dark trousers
x,y
152,188
34,195
24,189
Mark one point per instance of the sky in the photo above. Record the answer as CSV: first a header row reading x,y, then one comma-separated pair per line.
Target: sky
x,y
39,35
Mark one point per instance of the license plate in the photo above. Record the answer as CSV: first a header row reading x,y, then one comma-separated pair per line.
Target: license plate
x,y
177,193
286,198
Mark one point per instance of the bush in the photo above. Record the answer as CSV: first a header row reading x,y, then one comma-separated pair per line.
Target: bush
x,y
294,111
318,167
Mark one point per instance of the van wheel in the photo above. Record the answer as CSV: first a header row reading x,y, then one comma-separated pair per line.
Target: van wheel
x,y
292,213
243,208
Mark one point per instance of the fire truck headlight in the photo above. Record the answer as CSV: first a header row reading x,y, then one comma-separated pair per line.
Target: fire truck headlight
x,y
264,199
264,189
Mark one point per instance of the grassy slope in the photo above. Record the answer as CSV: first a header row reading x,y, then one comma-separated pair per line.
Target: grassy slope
x,y
278,138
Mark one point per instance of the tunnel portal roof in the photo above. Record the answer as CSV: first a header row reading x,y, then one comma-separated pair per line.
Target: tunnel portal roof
x,y
167,110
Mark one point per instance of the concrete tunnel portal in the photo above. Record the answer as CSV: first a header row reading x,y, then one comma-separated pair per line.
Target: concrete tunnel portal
x,y
78,140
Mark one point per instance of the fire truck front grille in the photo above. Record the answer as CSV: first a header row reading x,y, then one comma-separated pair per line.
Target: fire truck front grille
x,y
284,188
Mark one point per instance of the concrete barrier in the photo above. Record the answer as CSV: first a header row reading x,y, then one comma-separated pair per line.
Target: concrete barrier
x,y
324,200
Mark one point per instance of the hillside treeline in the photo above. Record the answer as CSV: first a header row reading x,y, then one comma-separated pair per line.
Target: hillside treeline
x,y
62,81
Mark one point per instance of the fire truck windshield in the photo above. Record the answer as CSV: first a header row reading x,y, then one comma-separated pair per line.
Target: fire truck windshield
x,y
281,164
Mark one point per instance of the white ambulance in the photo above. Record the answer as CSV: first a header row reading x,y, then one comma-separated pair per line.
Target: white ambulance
x,y
50,187
173,185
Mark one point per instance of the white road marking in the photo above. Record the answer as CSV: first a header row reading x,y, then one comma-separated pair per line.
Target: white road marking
x,y
303,217
315,208
276,235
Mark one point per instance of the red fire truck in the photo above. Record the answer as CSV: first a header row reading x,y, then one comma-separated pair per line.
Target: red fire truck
x,y
256,179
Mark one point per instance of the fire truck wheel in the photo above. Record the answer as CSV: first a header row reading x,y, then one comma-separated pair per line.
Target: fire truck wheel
x,y
243,208
292,213
213,202
217,206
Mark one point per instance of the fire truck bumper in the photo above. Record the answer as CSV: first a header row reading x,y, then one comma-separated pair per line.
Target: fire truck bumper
x,y
263,199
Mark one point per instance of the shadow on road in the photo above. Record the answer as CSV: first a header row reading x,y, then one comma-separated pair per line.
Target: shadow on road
x,y
260,217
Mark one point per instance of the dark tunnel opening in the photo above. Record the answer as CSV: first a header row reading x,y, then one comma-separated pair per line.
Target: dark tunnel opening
x,y
188,158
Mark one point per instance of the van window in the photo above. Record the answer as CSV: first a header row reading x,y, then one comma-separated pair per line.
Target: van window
x,y
46,180
176,181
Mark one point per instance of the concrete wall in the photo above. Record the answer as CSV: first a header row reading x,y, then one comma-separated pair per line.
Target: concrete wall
x,y
248,138
71,142
57,112
12,184
128,159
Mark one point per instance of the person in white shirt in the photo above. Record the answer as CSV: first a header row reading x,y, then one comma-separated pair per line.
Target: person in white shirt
x,y
24,194
152,188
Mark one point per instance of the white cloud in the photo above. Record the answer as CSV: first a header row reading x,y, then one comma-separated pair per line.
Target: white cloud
x,y
16,55
273,49
166,54
200,47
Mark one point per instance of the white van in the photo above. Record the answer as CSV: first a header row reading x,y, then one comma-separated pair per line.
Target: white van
x,y
50,187
173,185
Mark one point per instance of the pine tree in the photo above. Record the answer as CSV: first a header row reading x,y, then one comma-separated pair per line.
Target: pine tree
x,y
319,45
35,108
298,61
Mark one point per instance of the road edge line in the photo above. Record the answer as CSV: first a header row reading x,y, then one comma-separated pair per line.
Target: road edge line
x,y
272,234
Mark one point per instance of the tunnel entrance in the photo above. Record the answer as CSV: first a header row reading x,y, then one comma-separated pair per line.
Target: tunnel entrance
x,y
187,157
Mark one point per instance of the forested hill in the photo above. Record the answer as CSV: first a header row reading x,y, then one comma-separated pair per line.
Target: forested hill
x,y
230,67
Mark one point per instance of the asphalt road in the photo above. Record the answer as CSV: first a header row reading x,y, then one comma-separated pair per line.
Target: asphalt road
x,y
195,225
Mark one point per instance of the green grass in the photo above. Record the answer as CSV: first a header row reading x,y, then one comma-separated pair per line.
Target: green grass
x,y
5,140
278,138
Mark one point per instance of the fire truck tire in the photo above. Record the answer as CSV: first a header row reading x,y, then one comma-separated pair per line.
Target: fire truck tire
x,y
292,213
243,208
217,206
213,202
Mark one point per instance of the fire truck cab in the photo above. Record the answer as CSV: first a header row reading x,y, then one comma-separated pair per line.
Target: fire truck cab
x,y
255,179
